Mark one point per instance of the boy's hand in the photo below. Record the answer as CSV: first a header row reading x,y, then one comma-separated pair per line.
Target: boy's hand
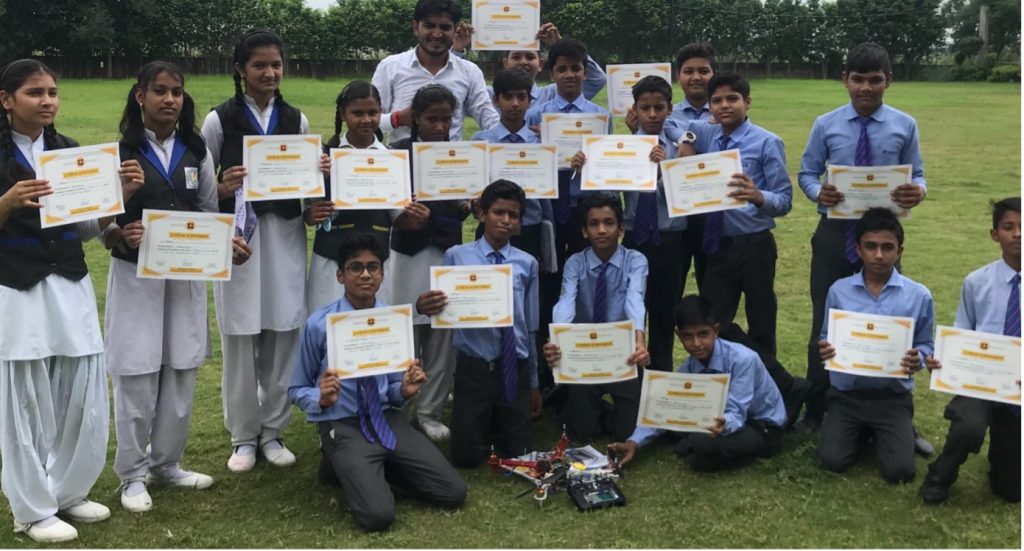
x,y
325,164
463,37
548,34
241,251
826,350
932,363
686,150
745,190
632,120
318,211
623,450
907,195
718,428
330,386
578,160
405,117
657,154
536,403
230,180
829,196
412,380
431,302
132,234
552,354
911,361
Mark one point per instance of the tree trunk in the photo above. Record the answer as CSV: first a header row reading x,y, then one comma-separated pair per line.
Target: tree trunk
x,y
110,64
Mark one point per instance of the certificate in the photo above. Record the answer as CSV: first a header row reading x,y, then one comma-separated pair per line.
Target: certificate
x,y
364,179
869,345
700,183
85,181
566,131
594,353
977,365
505,24
533,166
186,245
619,163
864,187
478,296
682,402
282,167
449,170
373,341
621,79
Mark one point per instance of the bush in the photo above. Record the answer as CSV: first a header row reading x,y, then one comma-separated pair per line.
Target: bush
x,y
1005,73
970,72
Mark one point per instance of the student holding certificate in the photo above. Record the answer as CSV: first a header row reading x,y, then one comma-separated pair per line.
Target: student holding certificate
x,y
368,444
989,302
884,405
603,283
751,425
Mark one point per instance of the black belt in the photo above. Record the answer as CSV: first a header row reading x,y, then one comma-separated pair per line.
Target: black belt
x,y
746,239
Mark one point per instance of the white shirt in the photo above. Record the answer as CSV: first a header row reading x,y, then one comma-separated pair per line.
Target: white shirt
x,y
207,175
213,131
399,76
344,144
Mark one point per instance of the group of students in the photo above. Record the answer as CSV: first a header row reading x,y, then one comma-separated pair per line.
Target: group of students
x,y
617,258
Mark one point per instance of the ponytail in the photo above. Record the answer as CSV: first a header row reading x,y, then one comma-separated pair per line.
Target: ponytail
x,y
357,89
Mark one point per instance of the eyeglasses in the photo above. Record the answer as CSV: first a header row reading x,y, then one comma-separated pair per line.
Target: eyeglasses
x,y
355,269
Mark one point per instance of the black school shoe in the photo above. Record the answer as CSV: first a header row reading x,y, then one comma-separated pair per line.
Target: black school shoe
x,y
794,399
932,491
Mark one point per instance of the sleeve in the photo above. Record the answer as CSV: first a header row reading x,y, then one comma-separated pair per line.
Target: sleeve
x,y
704,132
304,390
532,306
303,124
478,102
565,308
213,133
830,302
382,81
777,188
395,390
635,291
812,164
924,328
208,184
88,229
741,393
911,155
596,79
644,435
966,317
535,116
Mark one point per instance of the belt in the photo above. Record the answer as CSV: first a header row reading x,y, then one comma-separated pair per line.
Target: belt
x,y
746,239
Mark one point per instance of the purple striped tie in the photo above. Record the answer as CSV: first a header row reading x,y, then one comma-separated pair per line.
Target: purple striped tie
x,y
371,413
714,222
509,357
601,295
861,158
1011,327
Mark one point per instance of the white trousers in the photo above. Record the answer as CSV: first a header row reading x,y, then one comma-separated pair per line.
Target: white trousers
x,y
254,387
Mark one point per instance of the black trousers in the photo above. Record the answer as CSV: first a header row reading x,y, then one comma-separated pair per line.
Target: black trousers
x,y
706,453
745,265
367,471
586,414
853,414
783,379
481,416
969,418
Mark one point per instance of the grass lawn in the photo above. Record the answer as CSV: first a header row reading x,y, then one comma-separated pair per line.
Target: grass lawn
x,y
970,137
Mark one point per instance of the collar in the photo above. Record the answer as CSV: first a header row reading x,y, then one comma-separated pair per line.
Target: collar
x,y
1005,271
344,144
151,136
252,103
485,249
343,305
414,60
534,92
850,113
525,133
717,363
685,105
895,279
738,134
661,135
561,102
593,262
26,142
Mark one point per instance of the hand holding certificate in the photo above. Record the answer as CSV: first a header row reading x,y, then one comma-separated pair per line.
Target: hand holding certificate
x,y
478,296
867,344
977,365
619,163
449,170
700,183
505,24
186,245
682,402
364,179
374,341
533,166
566,131
621,79
282,167
594,353
865,187
85,184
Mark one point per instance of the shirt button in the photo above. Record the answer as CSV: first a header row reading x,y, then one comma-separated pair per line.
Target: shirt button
x,y
172,204
53,266
53,244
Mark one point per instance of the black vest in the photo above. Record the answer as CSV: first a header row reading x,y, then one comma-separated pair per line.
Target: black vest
x,y
349,222
155,193
443,229
236,124
29,253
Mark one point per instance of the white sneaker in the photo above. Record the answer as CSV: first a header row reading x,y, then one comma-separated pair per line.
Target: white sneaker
x,y
278,456
54,532
435,430
138,503
87,511
198,481
242,462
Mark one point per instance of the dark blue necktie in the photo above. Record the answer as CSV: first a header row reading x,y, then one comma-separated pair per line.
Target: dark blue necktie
x,y
713,222
562,206
645,220
861,158
509,358
514,138
601,295
371,414
1011,326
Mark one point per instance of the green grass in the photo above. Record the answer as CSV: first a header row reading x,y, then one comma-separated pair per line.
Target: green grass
x,y
970,136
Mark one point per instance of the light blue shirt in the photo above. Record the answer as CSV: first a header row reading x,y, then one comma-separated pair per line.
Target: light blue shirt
x,y
485,344
558,104
625,280
752,392
592,84
901,297
536,210
833,141
665,223
764,161
984,297
678,121
304,390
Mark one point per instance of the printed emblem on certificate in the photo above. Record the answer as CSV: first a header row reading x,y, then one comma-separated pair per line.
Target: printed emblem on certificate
x,y
682,402
865,187
478,296
449,170
374,341
186,245
566,131
977,365
619,163
533,166
282,167
869,345
85,181
505,24
594,353
621,79
363,179
700,183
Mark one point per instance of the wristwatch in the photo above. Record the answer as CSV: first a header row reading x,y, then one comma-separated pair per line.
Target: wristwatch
x,y
688,137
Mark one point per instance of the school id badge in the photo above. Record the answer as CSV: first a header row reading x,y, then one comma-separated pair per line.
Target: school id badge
x,y
191,178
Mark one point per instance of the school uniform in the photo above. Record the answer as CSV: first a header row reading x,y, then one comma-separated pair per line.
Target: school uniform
x,y
592,84
598,292
156,330
989,302
262,308
887,137
683,113
322,286
495,368
369,443
661,239
53,388
855,403
754,413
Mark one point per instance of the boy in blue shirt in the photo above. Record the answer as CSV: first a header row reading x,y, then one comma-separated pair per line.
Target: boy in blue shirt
x,y
989,302
751,425
864,132
695,65
367,443
496,387
883,406
603,283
